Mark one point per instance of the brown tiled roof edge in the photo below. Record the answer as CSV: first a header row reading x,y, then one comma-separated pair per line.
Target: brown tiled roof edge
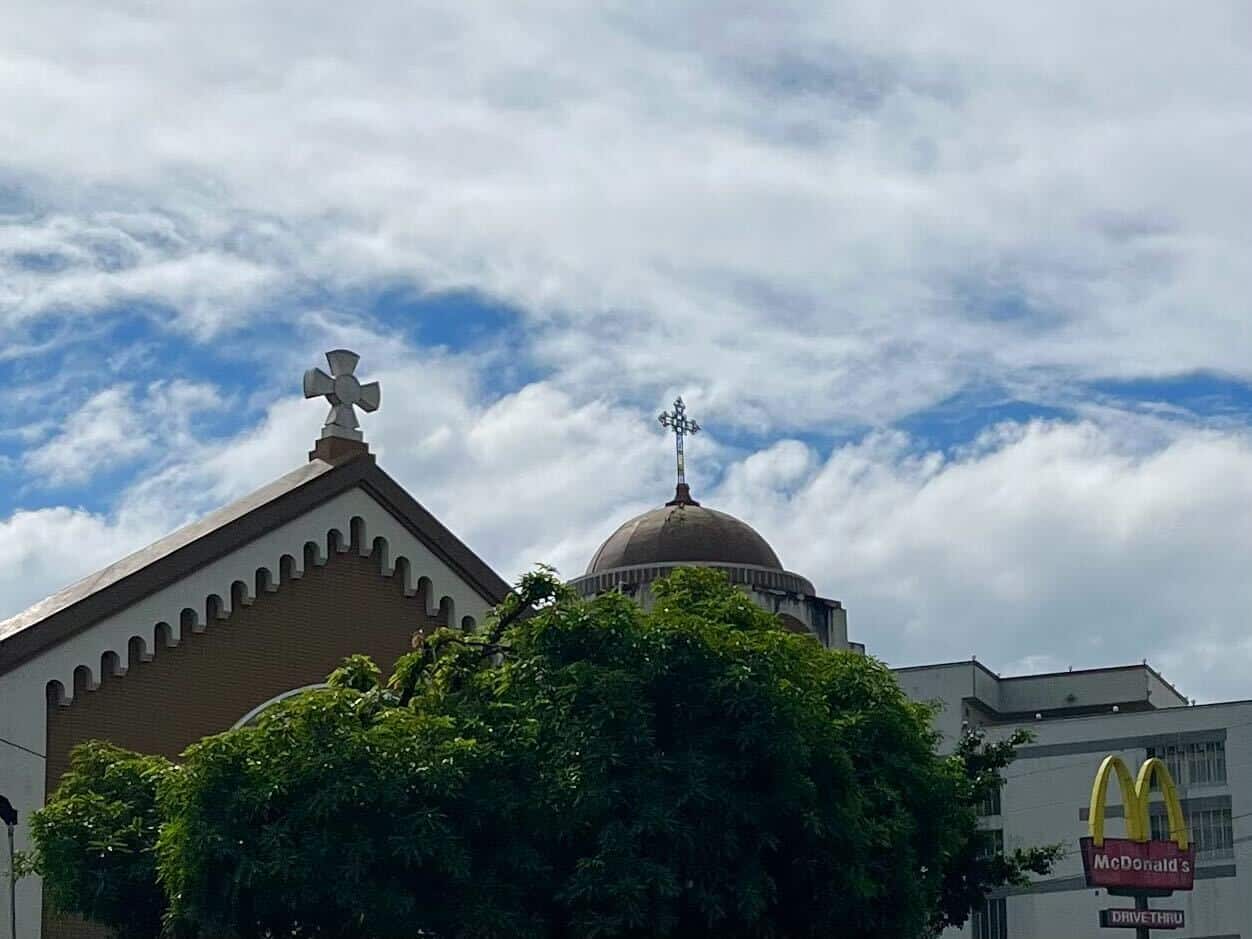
x,y
82,605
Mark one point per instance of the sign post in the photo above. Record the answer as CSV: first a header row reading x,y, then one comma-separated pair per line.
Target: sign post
x,y
1138,866
12,884
8,815
1141,906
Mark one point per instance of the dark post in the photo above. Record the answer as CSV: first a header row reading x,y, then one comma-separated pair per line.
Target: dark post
x,y
8,815
1142,932
12,885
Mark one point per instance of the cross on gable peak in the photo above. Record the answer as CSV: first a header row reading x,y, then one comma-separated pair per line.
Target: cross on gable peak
x,y
341,433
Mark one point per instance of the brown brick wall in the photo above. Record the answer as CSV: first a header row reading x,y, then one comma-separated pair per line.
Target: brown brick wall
x,y
286,639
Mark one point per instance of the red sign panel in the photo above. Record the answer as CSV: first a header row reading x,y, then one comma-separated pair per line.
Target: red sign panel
x,y
1143,919
1126,865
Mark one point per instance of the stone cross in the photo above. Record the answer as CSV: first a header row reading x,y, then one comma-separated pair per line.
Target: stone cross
x,y
678,421
344,392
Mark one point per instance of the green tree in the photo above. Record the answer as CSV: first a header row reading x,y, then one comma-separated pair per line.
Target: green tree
x,y
95,840
977,866
576,769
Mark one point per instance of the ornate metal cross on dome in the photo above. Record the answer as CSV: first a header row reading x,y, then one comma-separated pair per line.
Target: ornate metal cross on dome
x,y
678,421
344,392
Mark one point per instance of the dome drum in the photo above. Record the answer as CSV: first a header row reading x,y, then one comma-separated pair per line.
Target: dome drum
x,y
629,579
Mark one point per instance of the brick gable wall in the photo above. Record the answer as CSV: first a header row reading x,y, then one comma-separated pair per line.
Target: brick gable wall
x,y
286,639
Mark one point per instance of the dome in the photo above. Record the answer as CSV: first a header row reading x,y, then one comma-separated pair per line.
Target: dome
x,y
683,531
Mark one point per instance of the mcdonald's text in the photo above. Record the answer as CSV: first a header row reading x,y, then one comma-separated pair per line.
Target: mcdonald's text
x,y
1123,864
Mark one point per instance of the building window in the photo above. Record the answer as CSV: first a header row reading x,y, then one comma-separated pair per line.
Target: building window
x,y
1210,830
990,804
1194,764
1208,765
991,922
1174,758
990,842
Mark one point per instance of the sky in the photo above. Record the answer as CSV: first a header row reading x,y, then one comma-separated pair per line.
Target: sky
x,y
960,295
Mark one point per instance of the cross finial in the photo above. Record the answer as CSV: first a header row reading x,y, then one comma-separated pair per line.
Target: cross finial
x,y
344,392
681,425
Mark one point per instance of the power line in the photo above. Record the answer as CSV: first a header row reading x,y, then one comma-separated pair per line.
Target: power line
x,y
14,743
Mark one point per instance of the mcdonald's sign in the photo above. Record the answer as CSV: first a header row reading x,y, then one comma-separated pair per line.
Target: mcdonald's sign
x,y
1136,864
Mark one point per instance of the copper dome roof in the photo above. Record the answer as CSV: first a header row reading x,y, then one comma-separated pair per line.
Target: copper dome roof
x,y
684,532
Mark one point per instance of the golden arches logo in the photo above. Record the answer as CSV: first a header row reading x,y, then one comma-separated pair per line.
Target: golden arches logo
x,y
1135,793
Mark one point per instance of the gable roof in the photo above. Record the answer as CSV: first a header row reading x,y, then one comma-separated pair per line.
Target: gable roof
x,y
218,534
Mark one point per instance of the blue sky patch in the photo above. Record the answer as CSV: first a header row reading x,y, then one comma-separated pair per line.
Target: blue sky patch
x,y
456,319
961,418
1206,395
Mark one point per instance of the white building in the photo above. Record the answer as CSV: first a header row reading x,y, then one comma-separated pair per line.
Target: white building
x,y
1078,718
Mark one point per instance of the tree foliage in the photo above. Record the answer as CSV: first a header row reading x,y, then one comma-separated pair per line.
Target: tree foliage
x,y
96,836
575,769
979,866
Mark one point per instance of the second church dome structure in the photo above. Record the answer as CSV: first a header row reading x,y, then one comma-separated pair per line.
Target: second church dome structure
x,y
683,533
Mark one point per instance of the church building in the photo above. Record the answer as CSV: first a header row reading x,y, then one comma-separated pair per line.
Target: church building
x,y
200,631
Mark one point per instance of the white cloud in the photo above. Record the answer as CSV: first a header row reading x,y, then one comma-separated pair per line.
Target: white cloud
x,y
117,426
43,550
1056,542
102,434
66,265
533,476
863,209
823,216
1061,543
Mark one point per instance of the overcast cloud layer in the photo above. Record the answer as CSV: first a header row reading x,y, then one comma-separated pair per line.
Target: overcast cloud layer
x,y
960,296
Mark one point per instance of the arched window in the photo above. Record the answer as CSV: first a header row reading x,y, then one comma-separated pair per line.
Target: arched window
x,y
251,716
